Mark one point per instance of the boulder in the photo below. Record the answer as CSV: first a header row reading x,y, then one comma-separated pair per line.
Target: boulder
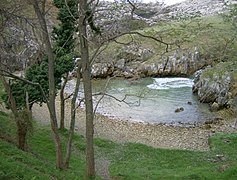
x,y
215,85
179,110
101,70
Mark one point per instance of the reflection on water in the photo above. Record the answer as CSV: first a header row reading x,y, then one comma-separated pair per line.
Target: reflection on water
x,y
152,100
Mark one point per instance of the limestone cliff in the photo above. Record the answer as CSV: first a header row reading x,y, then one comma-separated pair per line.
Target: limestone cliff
x,y
217,85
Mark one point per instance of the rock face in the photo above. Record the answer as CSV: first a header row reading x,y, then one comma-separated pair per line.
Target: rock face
x,y
193,8
151,13
180,63
132,62
217,85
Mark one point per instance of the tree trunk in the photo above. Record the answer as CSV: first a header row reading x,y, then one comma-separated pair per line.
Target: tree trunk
x,y
73,116
21,129
86,75
62,103
21,134
51,102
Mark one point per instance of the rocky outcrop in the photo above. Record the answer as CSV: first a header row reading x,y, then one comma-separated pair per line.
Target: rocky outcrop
x,y
110,13
101,70
151,13
217,85
193,8
180,63
134,61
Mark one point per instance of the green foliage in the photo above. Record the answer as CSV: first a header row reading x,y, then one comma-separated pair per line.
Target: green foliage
x,y
37,73
135,24
231,16
63,33
63,36
63,65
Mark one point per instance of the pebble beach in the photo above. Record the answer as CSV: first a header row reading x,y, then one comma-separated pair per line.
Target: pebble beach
x,y
155,135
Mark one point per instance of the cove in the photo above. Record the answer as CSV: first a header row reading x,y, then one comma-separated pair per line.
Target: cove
x,y
149,100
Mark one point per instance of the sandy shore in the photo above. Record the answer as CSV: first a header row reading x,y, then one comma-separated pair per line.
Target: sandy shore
x,y
162,136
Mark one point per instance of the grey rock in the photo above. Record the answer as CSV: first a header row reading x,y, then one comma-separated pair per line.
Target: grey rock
x,y
214,87
101,70
214,107
179,110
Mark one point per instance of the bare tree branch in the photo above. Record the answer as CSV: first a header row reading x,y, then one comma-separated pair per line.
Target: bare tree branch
x,y
124,98
133,7
103,94
98,51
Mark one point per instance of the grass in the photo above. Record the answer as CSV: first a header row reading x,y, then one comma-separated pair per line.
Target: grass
x,y
142,162
209,34
39,163
126,161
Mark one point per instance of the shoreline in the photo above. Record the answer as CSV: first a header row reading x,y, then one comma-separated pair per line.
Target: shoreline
x,y
155,135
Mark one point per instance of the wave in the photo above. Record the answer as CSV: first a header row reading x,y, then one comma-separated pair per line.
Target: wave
x,y
168,83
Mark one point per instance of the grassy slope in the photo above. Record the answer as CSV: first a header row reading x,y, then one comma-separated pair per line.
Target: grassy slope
x,y
40,163
127,161
206,33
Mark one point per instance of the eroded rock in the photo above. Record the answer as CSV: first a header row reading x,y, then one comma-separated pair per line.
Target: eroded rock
x,y
216,85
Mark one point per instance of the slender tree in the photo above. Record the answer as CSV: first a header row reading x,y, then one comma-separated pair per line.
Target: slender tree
x,y
73,116
86,75
51,102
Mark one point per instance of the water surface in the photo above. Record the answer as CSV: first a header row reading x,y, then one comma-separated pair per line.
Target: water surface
x,y
152,100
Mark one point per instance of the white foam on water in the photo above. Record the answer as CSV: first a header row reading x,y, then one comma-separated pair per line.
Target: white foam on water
x,y
168,83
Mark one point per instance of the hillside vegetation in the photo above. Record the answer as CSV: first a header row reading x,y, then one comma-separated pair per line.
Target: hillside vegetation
x,y
208,34
117,161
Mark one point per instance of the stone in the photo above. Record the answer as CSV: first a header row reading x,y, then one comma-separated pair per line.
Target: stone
x,y
179,110
214,87
214,107
120,64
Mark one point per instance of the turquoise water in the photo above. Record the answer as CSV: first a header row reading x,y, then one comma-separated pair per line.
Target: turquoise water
x,y
152,100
